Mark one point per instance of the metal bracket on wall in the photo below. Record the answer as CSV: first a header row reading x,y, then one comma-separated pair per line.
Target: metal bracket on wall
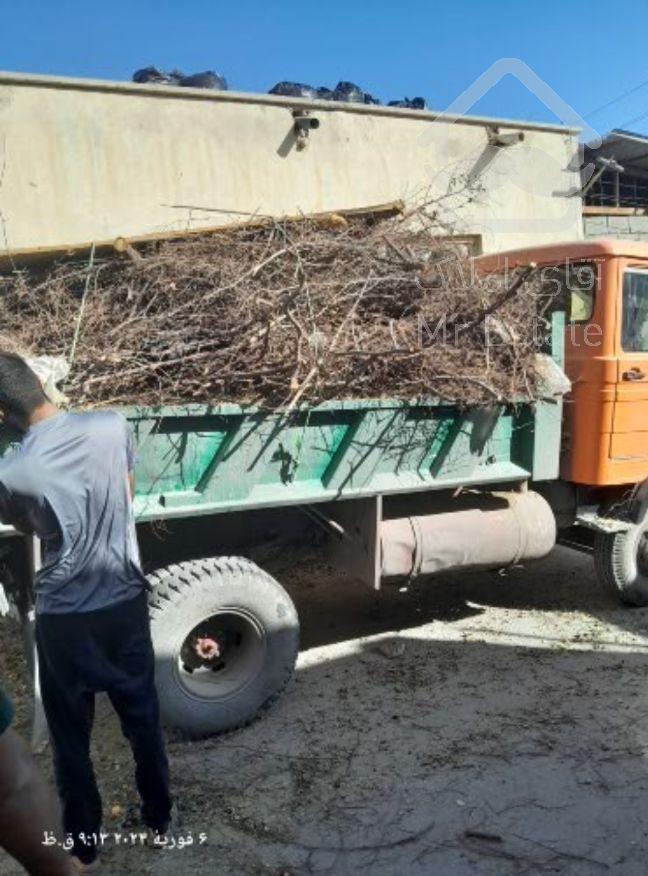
x,y
496,138
304,123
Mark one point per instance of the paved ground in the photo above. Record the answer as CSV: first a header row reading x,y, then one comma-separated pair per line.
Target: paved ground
x,y
480,724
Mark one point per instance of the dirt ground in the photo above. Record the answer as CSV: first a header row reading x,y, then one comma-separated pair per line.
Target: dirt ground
x,y
476,724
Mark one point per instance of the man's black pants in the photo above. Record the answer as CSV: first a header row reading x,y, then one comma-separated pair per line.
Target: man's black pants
x,y
79,655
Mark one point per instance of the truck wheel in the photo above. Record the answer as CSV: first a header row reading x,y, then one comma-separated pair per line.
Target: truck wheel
x,y
621,561
231,603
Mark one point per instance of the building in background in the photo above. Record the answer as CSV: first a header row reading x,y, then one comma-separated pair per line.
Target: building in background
x,y
615,200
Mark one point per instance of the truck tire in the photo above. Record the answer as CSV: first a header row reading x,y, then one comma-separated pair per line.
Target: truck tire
x,y
254,622
621,562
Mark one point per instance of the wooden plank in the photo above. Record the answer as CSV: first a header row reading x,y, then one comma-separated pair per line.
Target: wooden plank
x,y
592,210
331,218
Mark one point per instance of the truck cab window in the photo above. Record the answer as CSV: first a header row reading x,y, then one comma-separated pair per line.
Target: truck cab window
x,y
572,287
634,324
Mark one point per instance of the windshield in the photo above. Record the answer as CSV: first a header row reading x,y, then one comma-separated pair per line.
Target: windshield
x,y
572,287
634,325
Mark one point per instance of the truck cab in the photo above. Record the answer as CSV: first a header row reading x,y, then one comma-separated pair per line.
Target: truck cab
x,y
603,287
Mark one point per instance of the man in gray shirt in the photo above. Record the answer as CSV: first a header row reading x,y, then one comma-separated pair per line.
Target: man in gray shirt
x,y
70,483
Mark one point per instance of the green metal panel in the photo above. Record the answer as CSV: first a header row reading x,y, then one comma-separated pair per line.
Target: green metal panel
x,y
198,460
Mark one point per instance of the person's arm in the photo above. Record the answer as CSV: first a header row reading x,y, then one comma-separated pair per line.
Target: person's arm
x,y
10,515
27,812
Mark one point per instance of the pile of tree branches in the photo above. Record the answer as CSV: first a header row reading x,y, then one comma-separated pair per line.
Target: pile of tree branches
x,y
280,315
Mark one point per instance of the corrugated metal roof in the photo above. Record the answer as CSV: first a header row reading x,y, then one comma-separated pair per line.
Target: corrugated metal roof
x,y
626,147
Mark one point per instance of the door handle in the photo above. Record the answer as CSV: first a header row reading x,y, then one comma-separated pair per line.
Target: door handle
x,y
634,374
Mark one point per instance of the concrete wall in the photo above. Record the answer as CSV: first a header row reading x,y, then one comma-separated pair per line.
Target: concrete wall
x,y
604,225
84,161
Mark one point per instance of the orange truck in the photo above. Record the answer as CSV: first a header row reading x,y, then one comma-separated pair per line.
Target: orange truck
x,y
403,489
601,499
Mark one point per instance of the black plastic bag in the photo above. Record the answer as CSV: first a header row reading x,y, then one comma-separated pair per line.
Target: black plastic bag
x,y
208,79
324,93
293,89
156,76
349,92
416,103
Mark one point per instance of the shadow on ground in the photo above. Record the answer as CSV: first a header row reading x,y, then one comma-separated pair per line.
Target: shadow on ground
x,y
478,724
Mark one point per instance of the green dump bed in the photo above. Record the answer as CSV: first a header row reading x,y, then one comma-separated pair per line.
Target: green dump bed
x,y
195,460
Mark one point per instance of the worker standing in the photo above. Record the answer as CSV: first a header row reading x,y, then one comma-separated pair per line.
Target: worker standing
x,y
70,482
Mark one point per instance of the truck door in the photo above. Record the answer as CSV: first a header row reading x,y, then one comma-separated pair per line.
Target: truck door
x,y
629,440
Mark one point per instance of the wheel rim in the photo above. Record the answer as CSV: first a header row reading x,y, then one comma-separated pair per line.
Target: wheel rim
x,y
242,644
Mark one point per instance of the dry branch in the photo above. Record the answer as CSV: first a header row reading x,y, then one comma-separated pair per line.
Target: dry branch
x,y
291,312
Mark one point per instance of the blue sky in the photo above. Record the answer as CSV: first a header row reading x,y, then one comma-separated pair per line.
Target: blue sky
x,y
589,51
